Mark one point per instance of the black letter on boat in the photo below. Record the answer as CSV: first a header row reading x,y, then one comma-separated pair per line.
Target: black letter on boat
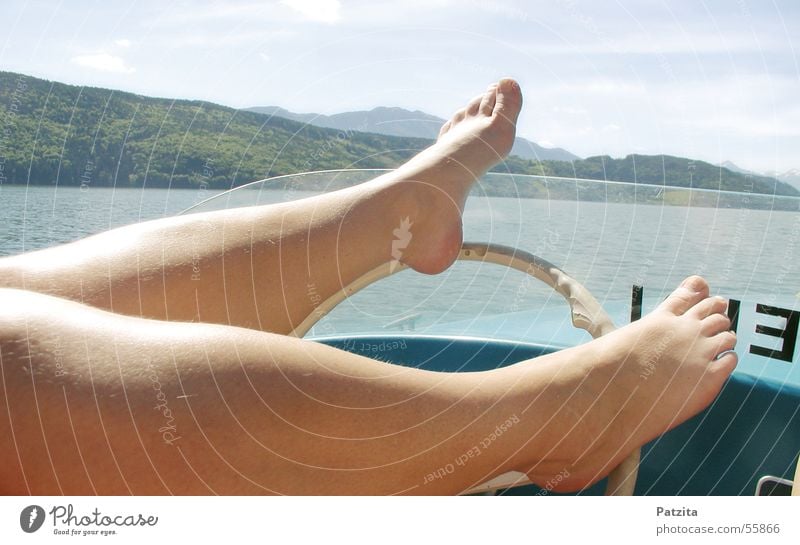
x,y
789,335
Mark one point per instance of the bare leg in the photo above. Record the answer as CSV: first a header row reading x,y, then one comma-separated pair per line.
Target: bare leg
x,y
255,267
102,403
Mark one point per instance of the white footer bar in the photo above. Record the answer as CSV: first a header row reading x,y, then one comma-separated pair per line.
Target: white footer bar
x,y
401,520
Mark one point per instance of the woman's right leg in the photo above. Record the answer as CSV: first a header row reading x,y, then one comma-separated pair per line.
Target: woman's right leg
x,y
103,403
268,267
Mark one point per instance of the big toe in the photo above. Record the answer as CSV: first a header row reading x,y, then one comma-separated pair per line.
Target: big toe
x,y
691,291
509,100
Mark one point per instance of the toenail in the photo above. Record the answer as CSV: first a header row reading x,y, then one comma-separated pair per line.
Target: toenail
x,y
691,289
725,353
693,283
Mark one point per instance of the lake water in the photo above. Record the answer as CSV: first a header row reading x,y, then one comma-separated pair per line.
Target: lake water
x,y
608,246
40,216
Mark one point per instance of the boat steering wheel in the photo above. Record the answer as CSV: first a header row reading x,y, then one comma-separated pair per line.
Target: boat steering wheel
x,y
585,311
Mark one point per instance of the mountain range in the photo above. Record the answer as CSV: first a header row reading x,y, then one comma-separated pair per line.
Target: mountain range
x,y
791,176
406,123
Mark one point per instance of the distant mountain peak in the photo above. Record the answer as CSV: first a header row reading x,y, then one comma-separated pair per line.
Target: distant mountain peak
x,y
733,167
397,109
791,176
396,121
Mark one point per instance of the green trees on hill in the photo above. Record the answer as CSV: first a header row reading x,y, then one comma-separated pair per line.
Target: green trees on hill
x,y
679,171
71,136
55,133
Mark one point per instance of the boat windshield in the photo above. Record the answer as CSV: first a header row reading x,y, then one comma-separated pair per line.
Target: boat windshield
x,y
609,236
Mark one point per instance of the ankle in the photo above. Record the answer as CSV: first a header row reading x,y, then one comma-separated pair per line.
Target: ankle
x,y
425,225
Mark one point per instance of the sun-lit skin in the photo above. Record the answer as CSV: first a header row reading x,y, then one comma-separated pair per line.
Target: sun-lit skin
x,y
108,389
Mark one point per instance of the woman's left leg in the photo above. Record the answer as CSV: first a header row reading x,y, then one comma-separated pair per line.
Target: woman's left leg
x,y
100,403
97,402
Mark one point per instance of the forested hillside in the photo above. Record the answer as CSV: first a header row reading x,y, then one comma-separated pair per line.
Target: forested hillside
x,y
54,133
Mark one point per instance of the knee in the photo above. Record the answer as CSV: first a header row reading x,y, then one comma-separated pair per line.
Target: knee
x,y
22,314
19,340
13,304
13,349
10,273
26,341
16,303
39,333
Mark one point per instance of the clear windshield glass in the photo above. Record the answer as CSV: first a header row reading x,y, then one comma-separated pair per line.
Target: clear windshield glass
x,y
609,236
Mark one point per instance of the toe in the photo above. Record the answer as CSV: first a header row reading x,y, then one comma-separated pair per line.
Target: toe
x,y
474,105
488,100
723,342
691,291
708,307
715,324
445,128
726,363
509,100
718,371
458,116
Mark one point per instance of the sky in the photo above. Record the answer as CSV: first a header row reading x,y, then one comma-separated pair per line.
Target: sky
x,y
708,80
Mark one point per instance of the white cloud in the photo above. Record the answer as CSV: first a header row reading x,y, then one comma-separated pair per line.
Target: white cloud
x,y
103,62
323,11
123,43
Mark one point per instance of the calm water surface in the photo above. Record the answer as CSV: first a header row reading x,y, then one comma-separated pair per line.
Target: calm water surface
x,y
748,254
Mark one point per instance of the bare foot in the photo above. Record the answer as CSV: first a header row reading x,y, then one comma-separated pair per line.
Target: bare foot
x,y
435,183
637,383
